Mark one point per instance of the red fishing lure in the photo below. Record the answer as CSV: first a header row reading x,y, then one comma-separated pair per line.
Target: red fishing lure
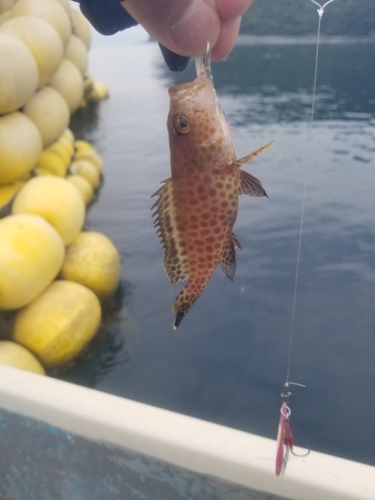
x,y
285,440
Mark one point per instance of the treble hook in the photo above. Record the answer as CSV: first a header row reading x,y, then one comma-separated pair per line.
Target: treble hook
x,y
321,7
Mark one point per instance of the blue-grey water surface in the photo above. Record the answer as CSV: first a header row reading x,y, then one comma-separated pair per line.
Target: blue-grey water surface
x,y
227,362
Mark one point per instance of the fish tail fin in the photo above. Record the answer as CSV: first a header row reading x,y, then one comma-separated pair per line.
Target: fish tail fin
x,y
186,299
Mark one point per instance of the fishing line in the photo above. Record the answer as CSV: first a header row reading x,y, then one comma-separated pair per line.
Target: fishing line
x,y
320,12
292,326
285,439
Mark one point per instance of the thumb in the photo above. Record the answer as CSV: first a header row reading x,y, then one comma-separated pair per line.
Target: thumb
x,y
183,26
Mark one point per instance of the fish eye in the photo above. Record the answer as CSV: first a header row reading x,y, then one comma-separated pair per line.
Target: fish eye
x,y
182,124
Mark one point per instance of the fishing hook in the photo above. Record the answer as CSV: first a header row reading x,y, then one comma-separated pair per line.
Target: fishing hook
x,y
301,454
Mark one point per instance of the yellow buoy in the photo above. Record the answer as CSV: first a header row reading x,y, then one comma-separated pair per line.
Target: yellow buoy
x,y
52,163
42,171
50,113
20,146
59,323
84,187
69,82
6,5
76,52
19,74
65,4
81,27
57,201
4,17
83,104
67,145
63,149
68,134
81,145
86,170
93,261
31,255
26,177
50,11
88,84
91,156
12,354
8,191
98,92
41,39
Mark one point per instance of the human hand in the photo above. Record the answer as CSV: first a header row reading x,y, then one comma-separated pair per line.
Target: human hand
x,y
185,26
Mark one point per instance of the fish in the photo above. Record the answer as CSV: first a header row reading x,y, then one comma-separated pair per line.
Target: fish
x,y
197,206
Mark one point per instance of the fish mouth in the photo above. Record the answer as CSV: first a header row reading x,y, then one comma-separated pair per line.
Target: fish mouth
x,y
188,89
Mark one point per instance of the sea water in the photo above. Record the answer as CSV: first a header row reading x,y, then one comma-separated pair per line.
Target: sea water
x,y
227,361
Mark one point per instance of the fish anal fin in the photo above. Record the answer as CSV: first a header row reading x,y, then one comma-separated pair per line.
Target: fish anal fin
x,y
228,257
250,185
165,221
236,243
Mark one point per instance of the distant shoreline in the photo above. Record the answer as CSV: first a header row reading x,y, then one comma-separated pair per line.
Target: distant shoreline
x,y
244,39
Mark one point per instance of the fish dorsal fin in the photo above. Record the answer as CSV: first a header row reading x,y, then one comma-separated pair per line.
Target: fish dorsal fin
x,y
228,256
250,185
165,221
242,161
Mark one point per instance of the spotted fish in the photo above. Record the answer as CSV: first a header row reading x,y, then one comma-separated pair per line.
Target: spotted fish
x,y
197,207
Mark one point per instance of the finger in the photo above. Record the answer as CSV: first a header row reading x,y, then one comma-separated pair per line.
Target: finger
x,y
184,26
227,39
231,9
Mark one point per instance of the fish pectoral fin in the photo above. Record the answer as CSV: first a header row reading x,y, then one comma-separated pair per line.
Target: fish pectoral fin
x,y
166,224
242,161
228,257
250,185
